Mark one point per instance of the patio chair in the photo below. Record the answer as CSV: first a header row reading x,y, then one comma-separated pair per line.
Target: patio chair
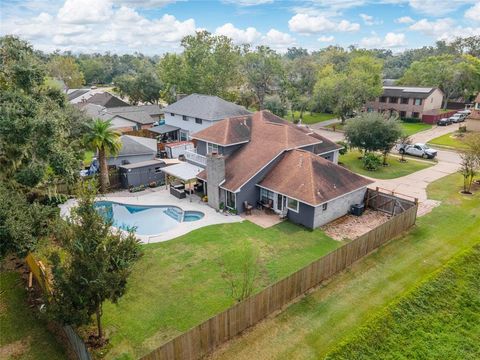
x,y
268,206
248,208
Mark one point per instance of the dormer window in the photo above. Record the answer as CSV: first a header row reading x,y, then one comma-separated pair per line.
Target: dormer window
x,y
212,148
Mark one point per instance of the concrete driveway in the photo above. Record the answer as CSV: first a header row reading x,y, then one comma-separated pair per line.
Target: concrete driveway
x,y
415,184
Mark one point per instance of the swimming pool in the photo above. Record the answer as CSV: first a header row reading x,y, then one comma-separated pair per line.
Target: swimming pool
x,y
147,220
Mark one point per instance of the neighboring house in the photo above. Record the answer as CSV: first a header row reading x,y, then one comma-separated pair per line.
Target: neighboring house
x,y
134,149
106,99
263,158
196,112
125,118
408,101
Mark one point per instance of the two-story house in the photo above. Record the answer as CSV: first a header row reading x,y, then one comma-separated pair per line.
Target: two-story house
x,y
408,101
261,159
196,112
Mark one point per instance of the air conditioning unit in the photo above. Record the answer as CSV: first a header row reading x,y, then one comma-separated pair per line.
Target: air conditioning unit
x,y
357,209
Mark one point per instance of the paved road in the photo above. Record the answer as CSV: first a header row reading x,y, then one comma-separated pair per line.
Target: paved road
x,y
416,183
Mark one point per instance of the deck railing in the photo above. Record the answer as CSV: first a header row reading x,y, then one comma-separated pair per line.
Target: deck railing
x,y
196,158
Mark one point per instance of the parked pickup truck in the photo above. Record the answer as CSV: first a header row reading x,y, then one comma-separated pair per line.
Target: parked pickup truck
x,y
418,149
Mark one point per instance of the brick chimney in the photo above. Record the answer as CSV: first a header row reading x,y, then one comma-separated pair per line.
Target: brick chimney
x,y
215,176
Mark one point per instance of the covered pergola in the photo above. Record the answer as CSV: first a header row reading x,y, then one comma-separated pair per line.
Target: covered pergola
x,y
165,132
181,178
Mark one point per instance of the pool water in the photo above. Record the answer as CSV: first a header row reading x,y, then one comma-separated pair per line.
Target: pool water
x,y
146,220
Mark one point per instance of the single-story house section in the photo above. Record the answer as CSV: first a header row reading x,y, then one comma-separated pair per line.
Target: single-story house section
x,y
196,112
106,100
265,161
142,173
134,149
314,190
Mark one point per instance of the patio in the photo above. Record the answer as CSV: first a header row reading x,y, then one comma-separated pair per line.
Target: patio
x,y
262,218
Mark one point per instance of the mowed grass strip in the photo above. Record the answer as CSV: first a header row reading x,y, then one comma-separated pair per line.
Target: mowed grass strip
x,y
22,334
395,169
315,325
310,118
178,284
438,320
448,141
413,128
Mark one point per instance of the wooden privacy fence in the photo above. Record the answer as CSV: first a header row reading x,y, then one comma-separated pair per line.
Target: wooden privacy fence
x,y
204,338
391,203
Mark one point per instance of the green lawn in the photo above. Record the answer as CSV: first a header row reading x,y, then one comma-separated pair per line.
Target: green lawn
x,y
413,128
310,118
22,334
178,283
315,325
438,320
396,169
449,141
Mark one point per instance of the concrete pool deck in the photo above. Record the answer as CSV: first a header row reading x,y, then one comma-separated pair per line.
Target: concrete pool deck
x,y
160,196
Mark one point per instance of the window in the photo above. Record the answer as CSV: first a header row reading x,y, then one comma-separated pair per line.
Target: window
x,y
212,148
415,114
184,118
183,136
266,195
158,170
172,114
403,114
404,100
382,99
198,121
324,206
231,203
292,204
417,102
393,100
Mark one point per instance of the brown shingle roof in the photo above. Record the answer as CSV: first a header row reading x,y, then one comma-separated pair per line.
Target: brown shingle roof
x,y
269,136
227,132
311,179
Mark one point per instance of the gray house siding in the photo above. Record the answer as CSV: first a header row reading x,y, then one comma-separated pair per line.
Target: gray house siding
x,y
132,159
223,150
250,192
338,207
305,215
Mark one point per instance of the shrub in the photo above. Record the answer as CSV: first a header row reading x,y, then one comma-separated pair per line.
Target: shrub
x,y
411,120
371,162
344,150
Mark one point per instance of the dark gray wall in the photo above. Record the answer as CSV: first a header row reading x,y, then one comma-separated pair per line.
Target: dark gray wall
x,y
141,176
305,215
250,192
224,150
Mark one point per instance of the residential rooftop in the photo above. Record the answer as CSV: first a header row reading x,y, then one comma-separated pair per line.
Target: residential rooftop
x,y
205,107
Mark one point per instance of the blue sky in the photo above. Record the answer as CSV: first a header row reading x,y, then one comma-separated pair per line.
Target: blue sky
x,y
157,26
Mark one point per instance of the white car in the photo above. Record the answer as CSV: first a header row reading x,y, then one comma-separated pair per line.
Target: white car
x,y
418,149
456,118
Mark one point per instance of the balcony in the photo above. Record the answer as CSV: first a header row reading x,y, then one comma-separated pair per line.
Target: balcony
x,y
192,156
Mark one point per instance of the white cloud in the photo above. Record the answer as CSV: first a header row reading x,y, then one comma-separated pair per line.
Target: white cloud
x,y
473,13
404,20
367,19
275,39
85,11
100,26
311,24
247,2
443,29
239,36
325,38
391,40
437,8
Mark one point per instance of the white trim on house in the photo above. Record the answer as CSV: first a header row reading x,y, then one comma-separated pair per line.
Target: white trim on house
x,y
297,210
223,145
304,202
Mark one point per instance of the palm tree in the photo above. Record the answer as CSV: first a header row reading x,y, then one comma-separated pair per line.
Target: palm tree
x,y
102,138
